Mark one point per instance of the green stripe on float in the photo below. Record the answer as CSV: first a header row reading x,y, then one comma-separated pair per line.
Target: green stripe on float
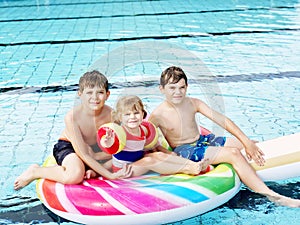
x,y
220,180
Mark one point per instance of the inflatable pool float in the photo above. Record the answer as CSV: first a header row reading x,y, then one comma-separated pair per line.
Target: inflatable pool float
x,y
157,199
148,199
282,157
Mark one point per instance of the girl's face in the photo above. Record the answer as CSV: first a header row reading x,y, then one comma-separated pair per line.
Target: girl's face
x,y
94,98
132,119
175,93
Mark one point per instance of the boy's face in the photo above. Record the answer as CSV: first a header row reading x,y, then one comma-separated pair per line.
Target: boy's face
x,y
94,98
175,93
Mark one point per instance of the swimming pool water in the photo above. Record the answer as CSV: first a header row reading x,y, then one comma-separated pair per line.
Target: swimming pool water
x,y
248,49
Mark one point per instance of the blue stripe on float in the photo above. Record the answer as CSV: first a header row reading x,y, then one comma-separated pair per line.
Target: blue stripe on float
x,y
183,192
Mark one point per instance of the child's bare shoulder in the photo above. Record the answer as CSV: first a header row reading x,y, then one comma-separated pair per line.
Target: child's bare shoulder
x,y
107,109
74,115
195,101
73,112
157,112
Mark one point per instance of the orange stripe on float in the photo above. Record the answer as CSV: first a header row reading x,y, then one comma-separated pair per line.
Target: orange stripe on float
x,y
48,189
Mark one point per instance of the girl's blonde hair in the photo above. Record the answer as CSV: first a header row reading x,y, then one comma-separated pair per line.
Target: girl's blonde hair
x,y
127,103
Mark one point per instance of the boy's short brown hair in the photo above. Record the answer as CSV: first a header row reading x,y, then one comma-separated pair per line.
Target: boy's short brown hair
x,y
172,75
93,79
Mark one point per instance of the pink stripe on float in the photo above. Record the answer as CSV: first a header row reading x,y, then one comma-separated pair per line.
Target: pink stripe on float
x,y
116,204
88,201
140,202
134,199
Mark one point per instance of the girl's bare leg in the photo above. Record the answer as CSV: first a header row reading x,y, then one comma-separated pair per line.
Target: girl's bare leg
x,y
167,164
72,171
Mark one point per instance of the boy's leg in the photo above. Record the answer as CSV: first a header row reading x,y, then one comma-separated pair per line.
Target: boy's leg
x,y
233,142
71,171
74,170
246,173
233,156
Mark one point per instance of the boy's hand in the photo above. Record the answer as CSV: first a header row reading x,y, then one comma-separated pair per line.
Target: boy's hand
x,y
255,153
90,174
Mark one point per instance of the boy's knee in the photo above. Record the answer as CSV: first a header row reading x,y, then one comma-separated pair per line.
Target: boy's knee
x,y
75,177
235,152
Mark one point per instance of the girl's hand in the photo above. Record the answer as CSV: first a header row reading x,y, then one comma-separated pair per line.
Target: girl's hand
x,y
108,139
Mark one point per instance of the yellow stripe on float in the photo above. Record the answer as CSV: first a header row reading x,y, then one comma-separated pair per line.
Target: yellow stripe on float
x,y
278,161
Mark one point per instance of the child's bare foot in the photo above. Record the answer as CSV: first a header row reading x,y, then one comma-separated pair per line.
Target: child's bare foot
x,y
191,168
90,174
204,163
26,177
284,201
195,168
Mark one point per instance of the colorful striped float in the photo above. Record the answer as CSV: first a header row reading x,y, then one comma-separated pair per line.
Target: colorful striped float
x,y
157,199
149,199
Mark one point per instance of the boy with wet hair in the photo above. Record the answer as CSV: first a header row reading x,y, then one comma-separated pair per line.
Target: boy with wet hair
x,y
74,150
175,116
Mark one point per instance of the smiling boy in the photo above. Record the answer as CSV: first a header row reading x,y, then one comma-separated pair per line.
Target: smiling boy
x,y
74,150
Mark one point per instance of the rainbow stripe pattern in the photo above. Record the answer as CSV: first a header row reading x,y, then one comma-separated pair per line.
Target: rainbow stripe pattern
x,y
144,195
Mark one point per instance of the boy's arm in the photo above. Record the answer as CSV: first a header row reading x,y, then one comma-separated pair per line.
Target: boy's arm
x,y
252,150
101,156
82,150
154,119
161,139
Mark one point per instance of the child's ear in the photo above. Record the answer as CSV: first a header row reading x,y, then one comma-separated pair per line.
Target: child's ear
x,y
107,94
79,93
161,88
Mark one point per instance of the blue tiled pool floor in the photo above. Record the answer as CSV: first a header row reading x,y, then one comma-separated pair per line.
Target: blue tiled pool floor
x,y
248,49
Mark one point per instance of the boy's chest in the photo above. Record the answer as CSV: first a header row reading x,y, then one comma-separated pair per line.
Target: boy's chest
x,y
176,121
89,131
176,117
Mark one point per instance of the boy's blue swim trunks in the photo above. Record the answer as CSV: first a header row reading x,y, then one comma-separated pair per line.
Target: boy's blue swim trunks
x,y
195,151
